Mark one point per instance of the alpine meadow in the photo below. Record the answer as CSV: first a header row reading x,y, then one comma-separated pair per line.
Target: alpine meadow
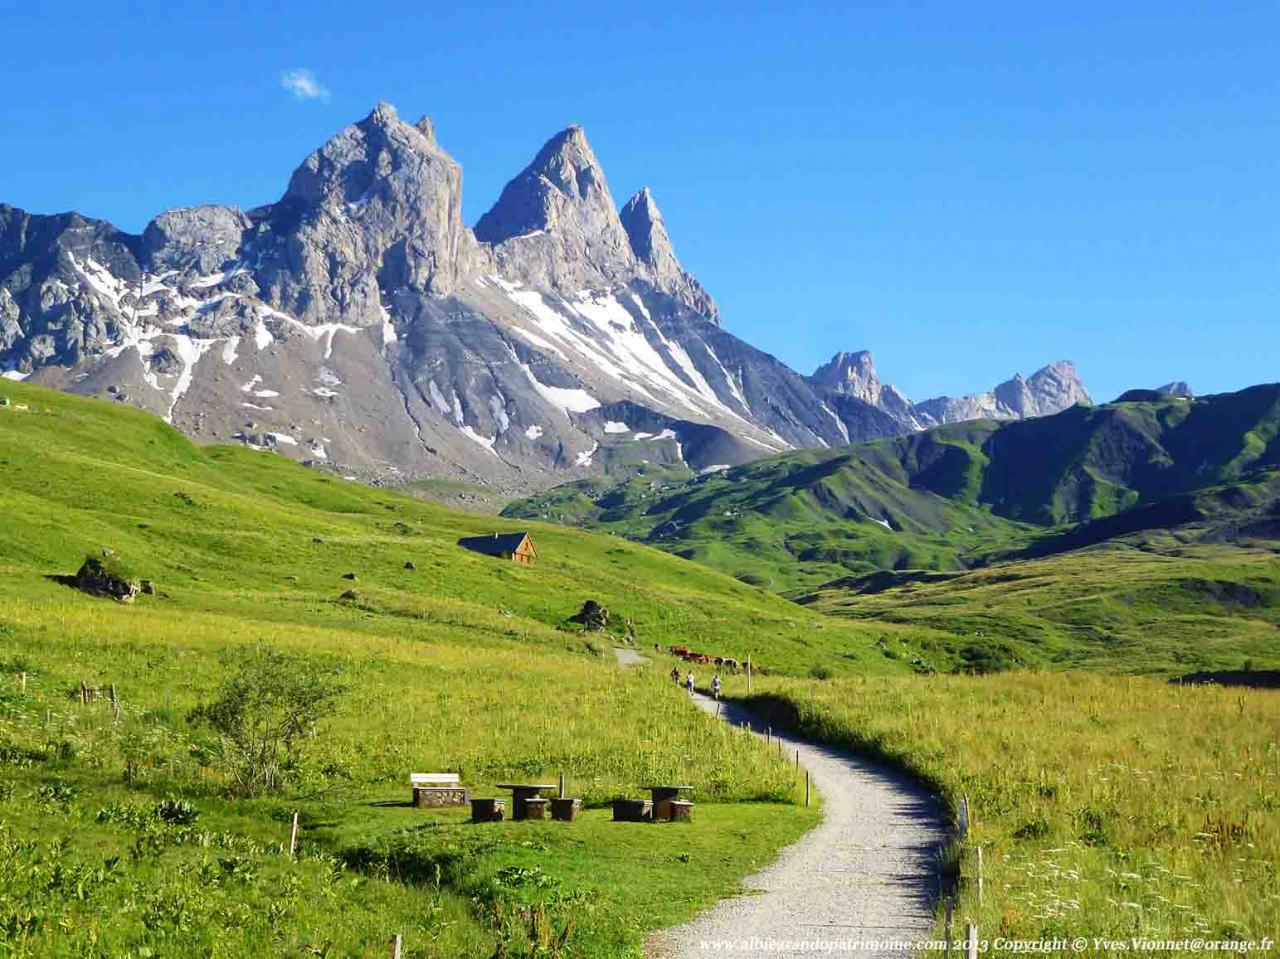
x,y
397,571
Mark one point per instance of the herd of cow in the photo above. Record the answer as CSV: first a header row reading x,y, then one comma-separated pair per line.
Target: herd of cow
x,y
706,659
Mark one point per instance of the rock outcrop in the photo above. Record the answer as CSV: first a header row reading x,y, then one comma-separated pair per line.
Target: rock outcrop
x,y
100,576
195,241
592,616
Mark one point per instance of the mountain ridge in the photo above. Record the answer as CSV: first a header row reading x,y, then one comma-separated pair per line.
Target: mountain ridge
x,y
963,494
358,323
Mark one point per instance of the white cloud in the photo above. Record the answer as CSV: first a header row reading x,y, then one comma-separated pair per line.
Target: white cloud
x,y
304,85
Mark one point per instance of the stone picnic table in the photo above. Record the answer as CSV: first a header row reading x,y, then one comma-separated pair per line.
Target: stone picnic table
x,y
521,793
663,797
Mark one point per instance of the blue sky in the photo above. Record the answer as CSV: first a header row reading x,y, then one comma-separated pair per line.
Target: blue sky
x,y
968,190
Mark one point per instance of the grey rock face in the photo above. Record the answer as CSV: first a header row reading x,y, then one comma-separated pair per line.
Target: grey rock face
x,y
653,249
1177,387
379,205
358,325
1049,390
555,226
196,240
853,374
67,276
10,331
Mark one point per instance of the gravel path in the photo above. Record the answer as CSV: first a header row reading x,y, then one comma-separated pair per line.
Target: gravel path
x,y
863,880
628,657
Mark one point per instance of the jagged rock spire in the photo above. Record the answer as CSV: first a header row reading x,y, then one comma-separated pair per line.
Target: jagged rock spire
x,y
652,247
555,224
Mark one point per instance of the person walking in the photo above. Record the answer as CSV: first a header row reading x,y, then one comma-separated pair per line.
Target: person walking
x,y
688,682
675,675
715,686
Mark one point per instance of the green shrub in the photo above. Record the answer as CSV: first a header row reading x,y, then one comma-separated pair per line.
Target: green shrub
x,y
265,713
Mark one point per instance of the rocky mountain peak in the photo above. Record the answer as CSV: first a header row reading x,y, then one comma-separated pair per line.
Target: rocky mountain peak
x,y
852,374
1177,388
652,247
356,322
555,225
379,204
1050,389
1056,387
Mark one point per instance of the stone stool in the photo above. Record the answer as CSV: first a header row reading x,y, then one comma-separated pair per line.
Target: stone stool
x,y
487,810
681,810
536,808
565,810
632,810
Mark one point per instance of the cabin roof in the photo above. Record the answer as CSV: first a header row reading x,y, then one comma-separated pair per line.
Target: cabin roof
x,y
496,544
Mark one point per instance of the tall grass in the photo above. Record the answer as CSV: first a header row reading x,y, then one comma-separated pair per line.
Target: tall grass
x,y
1104,806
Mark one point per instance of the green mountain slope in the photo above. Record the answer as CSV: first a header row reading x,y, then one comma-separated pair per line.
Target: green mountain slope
x,y
221,528
1117,607
952,497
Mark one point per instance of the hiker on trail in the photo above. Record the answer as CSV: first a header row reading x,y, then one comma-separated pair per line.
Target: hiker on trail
x,y
675,675
715,686
688,682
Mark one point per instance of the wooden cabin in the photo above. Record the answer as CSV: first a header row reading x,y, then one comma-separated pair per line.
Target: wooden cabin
x,y
516,547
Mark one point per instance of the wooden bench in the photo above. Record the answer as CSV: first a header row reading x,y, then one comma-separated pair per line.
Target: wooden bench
x,y
433,790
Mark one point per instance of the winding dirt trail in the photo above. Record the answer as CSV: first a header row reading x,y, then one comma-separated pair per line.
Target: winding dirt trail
x,y
862,882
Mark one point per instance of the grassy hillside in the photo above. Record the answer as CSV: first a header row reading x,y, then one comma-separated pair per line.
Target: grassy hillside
x,y
1104,806
224,529
1114,607
961,495
461,662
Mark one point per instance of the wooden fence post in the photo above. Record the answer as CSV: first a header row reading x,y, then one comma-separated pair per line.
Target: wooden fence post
x,y
979,875
293,834
748,675
964,816
84,693
768,735
23,684
970,940
562,785
396,942
797,759
947,928
806,787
